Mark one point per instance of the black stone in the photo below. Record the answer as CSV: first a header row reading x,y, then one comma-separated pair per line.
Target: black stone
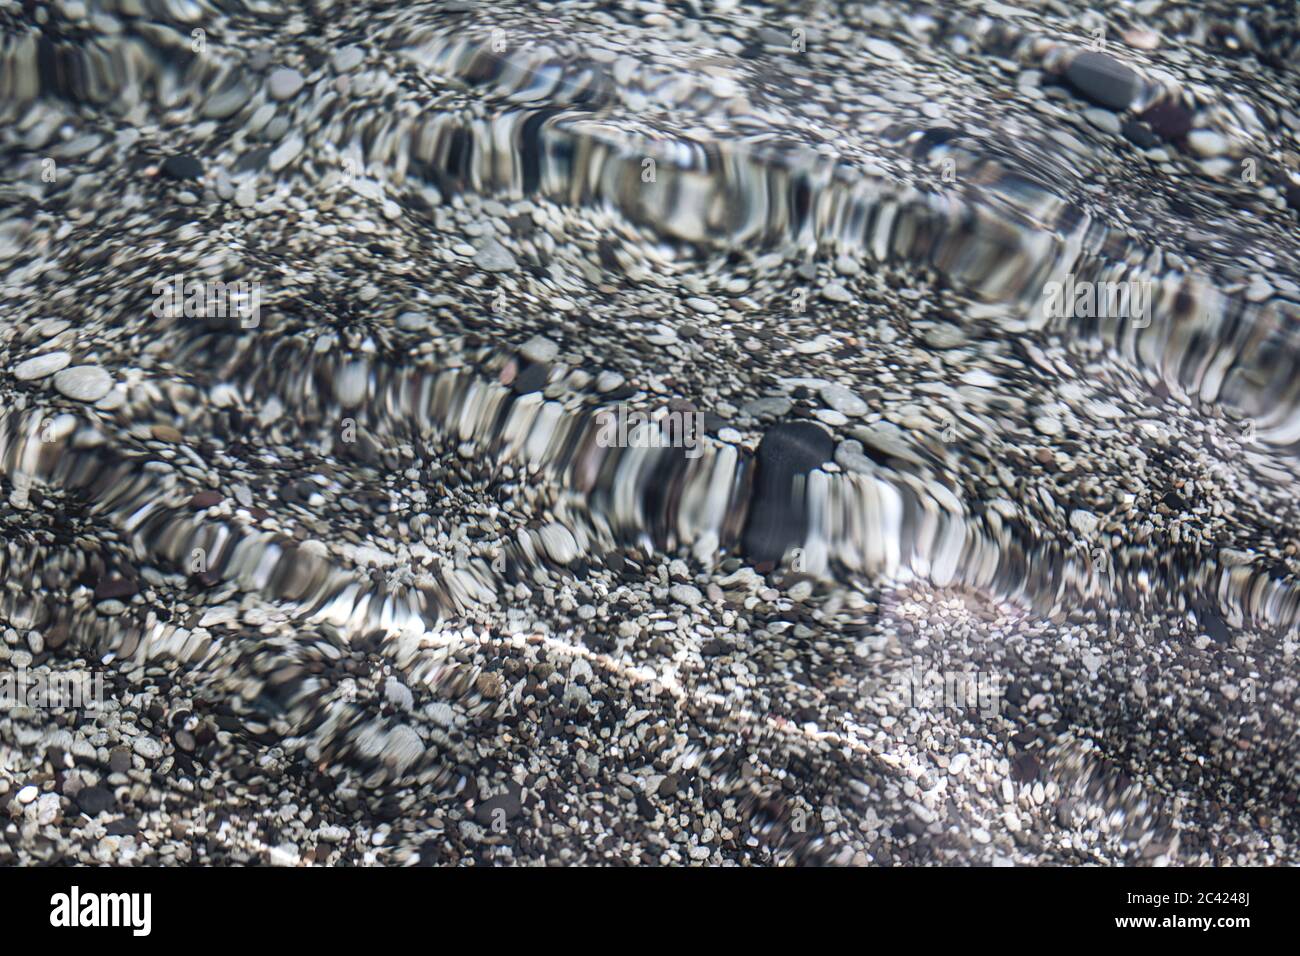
x,y
1139,134
486,812
1168,119
645,807
1103,79
205,499
1293,195
778,516
253,160
1024,768
1213,623
430,853
95,800
531,379
182,166
115,588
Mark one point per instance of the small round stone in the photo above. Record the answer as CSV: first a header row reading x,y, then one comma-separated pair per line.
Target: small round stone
x,y
539,349
347,58
150,748
1207,143
687,594
284,83
413,321
1048,425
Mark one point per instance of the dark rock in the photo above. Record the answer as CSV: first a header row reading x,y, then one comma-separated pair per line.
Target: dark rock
x,y
95,800
1293,195
122,828
1168,119
645,807
486,813
1139,134
182,166
778,516
119,761
116,588
1102,79
1024,768
1213,624
531,379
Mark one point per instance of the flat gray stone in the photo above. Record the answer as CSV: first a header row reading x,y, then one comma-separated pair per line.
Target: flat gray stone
x,y
1048,425
608,380
150,748
539,349
883,49
494,257
1104,120
843,400
285,153
39,366
284,83
687,594
83,383
1103,79
945,337
227,102
346,59
1205,142
413,321
888,439
771,407
834,292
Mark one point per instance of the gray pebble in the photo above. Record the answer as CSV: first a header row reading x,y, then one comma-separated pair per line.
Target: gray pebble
x,y
413,321
285,153
494,257
39,366
1104,120
834,292
539,349
346,59
1204,142
83,383
150,748
843,400
284,83
687,594
607,381
1048,425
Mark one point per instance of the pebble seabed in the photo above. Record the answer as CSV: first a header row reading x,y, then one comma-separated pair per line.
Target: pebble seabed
x,y
945,579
